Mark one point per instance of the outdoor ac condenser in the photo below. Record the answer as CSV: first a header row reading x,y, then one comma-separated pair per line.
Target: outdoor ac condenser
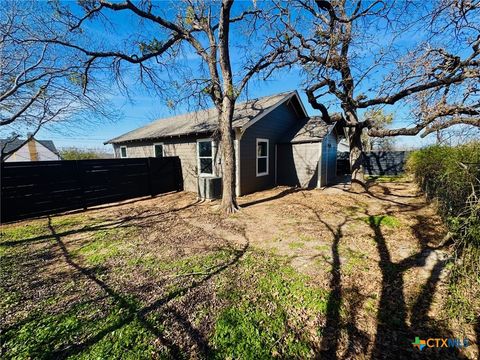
x,y
209,187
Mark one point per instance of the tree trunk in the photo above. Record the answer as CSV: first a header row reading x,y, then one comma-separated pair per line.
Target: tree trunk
x,y
229,200
356,159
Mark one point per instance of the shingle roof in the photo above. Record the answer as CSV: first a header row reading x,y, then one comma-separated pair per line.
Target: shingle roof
x,y
312,129
203,121
17,143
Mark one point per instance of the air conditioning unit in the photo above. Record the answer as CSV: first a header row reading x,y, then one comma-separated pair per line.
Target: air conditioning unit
x,y
209,187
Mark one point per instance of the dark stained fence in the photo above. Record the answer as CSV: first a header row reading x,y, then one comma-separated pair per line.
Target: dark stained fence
x,y
376,162
31,189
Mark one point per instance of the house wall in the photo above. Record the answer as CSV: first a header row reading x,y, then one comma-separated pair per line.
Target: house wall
x,y
184,147
272,127
328,163
298,164
42,153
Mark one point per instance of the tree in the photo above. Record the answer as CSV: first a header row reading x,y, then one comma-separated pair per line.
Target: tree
x,y
73,153
380,120
38,84
358,55
202,27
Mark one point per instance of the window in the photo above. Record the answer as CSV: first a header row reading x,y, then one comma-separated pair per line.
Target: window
x,y
158,150
262,157
205,151
123,151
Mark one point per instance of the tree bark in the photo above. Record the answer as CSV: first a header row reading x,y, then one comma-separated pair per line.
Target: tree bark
x,y
356,158
229,200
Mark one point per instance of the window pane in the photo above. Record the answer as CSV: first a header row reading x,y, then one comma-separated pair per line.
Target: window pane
x,y
158,150
262,148
123,152
205,148
206,166
262,165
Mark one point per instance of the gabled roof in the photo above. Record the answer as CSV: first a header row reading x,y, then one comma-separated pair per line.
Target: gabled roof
x,y
14,145
205,121
312,129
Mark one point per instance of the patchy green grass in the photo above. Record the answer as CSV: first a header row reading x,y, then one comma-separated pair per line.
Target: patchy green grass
x,y
24,232
267,318
45,336
382,220
296,245
105,244
355,259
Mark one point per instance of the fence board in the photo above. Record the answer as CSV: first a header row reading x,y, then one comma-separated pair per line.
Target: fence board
x,y
30,189
376,162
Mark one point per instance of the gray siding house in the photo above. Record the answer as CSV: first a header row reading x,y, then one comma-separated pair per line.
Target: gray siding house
x,y
276,143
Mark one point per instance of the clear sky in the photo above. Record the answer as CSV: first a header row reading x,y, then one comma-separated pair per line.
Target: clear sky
x,y
142,107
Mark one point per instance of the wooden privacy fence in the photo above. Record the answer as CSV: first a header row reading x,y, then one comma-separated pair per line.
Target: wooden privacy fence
x,y
376,162
30,189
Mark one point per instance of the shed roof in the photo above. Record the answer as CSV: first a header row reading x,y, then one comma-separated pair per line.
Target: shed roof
x,y
204,121
13,145
312,129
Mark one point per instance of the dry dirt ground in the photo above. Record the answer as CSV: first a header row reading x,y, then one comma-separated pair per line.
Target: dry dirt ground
x,y
295,274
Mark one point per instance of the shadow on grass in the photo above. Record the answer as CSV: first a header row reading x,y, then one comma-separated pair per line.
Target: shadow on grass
x,y
394,336
140,314
122,222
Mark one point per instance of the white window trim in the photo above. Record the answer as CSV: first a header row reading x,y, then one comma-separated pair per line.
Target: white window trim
x,y
163,149
126,152
214,150
262,157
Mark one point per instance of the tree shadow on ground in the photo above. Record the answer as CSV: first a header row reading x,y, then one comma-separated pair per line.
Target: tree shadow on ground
x,y
334,324
394,336
122,221
141,314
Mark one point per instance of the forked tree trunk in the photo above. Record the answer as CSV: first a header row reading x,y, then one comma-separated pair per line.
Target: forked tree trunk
x,y
229,200
356,159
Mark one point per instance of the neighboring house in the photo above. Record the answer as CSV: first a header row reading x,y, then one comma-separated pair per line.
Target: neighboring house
x,y
32,150
276,143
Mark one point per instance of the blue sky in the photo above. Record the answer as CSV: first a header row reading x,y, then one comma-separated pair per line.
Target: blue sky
x,y
142,107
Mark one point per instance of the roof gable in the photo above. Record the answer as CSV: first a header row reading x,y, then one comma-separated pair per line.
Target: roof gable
x,y
312,129
8,145
205,121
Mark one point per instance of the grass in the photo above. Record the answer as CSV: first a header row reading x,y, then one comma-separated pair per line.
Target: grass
x,y
44,336
266,320
382,220
105,244
296,245
164,287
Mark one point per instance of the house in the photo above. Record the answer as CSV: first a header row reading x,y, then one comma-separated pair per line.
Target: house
x,y
28,150
276,143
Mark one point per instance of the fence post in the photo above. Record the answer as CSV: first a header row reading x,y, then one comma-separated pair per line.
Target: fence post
x,y
80,182
178,172
149,169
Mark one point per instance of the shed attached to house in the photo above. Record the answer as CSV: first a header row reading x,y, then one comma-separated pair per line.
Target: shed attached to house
x,y
269,134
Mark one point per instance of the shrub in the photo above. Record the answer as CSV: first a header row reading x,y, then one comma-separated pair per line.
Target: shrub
x,y
452,176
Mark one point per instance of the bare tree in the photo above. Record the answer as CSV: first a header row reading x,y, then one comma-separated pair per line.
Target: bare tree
x,y
200,27
358,55
38,84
